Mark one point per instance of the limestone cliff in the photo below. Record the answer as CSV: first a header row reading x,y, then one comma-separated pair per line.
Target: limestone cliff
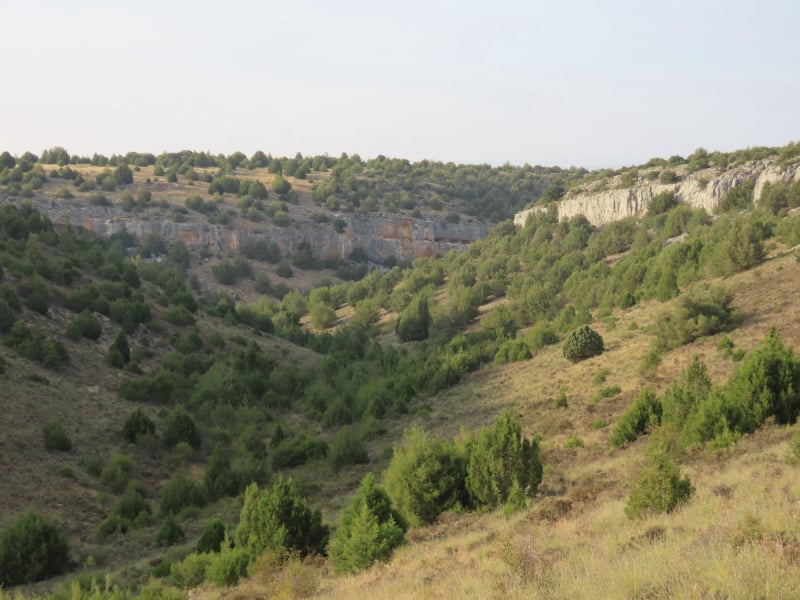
x,y
702,189
379,235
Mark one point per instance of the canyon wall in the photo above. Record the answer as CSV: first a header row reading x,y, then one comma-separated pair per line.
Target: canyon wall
x,y
702,189
379,235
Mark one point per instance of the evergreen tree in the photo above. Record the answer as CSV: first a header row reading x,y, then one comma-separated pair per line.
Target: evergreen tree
x,y
279,519
220,479
413,322
369,529
500,459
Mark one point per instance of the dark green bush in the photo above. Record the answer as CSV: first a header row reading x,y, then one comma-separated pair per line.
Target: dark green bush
x,y
55,438
212,537
32,548
279,519
369,530
33,344
659,488
170,533
181,491
413,322
179,315
699,313
7,316
131,505
501,460
156,388
84,324
117,473
426,477
348,449
137,423
219,478
298,451
643,415
229,272
180,427
582,343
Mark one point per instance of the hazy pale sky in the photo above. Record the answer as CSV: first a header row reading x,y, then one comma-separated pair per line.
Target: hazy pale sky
x,y
575,82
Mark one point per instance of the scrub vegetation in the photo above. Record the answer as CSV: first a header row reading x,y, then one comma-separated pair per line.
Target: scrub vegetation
x,y
498,421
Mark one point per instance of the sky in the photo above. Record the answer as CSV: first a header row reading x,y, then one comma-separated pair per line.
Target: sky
x,y
570,83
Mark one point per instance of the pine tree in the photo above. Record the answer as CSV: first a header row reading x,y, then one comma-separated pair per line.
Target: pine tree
x,y
369,530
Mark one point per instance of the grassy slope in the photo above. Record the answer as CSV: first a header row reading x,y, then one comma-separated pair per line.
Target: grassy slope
x,y
738,537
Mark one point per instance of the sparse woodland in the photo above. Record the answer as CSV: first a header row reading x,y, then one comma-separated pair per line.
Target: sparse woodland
x,y
494,422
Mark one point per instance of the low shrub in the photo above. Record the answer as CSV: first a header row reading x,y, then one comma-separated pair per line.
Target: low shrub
x,y
32,548
84,324
347,449
212,537
170,533
181,491
55,438
227,567
137,424
644,413
659,488
117,473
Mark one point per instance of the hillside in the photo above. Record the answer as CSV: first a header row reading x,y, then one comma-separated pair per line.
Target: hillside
x,y
243,379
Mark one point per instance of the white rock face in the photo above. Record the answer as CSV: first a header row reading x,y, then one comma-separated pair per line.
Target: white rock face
x,y
702,189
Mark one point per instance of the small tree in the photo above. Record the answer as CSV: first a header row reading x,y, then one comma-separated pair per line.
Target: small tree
x,y
280,185
123,175
644,414
425,477
170,533
220,480
659,487
181,428
119,354
212,537
32,548
137,424
500,460
181,491
369,529
280,519
582,343
413,322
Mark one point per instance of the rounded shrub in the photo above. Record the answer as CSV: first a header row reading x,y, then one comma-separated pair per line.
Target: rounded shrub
x,y
55,438
582,343
170,533
137,424
32,548
212,537
659,488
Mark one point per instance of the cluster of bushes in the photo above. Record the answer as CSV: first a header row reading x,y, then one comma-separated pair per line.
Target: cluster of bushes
x,y
32,343
497,467
763,386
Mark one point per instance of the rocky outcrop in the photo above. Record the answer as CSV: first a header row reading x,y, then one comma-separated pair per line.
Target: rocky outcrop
x,y
702,190
379,235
